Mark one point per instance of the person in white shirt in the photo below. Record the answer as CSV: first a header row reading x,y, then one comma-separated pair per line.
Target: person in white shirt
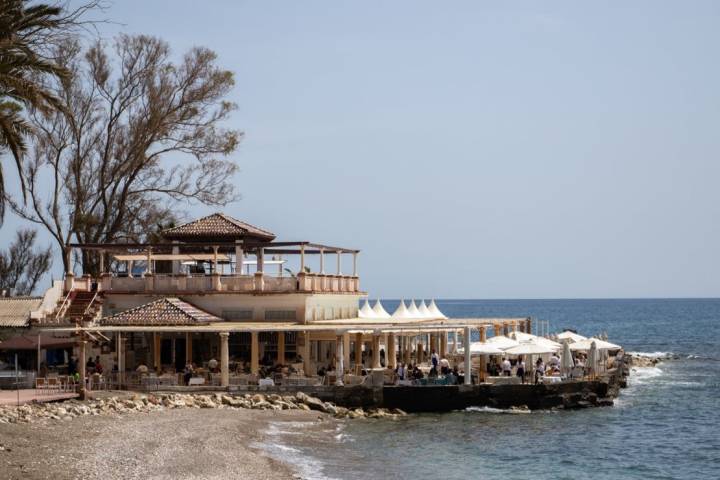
x,y
401,371
506,367
554,360
212,364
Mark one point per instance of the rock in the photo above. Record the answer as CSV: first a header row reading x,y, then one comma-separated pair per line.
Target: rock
x,y
397,411
257,398
330,408
312,402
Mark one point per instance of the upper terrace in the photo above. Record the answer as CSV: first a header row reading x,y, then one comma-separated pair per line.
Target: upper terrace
x,y
216,253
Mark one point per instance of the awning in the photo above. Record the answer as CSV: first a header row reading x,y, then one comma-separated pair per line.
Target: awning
x,y
30,342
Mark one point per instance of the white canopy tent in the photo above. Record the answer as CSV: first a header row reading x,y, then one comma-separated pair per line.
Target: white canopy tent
x,y
435,311
424,310
401,311
480,348
413,310
380,311
366,311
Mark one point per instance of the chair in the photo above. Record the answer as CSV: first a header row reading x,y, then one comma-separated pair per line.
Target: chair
x,y
53,384
41,384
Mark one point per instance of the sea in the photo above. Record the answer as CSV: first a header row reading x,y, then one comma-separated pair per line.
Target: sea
x,y
665,425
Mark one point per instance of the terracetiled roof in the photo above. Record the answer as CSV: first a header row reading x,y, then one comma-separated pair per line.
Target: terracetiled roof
x,y
166,311
217,225
15,311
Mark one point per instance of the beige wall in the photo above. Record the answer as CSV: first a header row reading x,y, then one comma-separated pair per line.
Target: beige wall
x,y
324,306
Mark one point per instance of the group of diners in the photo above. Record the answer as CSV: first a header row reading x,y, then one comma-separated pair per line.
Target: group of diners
x,y
509,367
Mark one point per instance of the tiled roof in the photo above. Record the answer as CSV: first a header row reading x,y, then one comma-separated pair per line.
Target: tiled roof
x,y
163,312
15,311
217,225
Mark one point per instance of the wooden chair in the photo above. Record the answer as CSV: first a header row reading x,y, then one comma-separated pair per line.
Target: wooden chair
x,y
53,385
41,384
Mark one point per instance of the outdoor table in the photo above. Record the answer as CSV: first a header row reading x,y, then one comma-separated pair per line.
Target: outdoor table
x,y
266,382
196,381
552,379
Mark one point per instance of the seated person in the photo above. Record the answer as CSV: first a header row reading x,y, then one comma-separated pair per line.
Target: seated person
x,y
213,365
142,368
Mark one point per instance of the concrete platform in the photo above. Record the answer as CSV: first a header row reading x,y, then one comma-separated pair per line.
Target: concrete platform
x,y
10,397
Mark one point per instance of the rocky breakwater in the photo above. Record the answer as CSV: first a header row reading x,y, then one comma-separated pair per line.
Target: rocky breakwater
x,y
66,411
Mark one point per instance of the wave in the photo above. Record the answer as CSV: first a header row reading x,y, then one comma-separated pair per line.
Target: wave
x,y
513,411
660,355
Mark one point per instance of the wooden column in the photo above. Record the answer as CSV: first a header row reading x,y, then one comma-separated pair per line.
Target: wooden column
x,y
188,347
443,344
281,348
376,351
419,353
306,355
254,353
156,352
528,325
358,349
483,334
224,360
239,256
496,329
346,350
339,359
408,350
81,368
120,350
390,357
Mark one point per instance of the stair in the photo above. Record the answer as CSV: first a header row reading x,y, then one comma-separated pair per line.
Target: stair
x,y
83,306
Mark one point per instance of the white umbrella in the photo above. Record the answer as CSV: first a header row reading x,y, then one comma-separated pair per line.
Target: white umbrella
x,y
413,310
566,362
435,311
482,348
593,358
572,336
502,342
423,309
528,349
542,341
401,311
599,344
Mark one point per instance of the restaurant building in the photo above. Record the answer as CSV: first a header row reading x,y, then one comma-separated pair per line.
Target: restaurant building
x,y
219,289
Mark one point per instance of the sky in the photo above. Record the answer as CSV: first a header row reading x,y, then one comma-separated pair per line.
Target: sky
x,y
473,149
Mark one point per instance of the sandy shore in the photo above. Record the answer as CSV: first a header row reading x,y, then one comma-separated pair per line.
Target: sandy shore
x,y
174,444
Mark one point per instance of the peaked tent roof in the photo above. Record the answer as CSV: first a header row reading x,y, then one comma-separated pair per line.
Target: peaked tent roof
x,y
435,311
413,310
366,311
217,226
424,311
401,311
380,311
165,311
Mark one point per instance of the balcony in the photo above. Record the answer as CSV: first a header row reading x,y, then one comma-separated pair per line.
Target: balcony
x,y
193,284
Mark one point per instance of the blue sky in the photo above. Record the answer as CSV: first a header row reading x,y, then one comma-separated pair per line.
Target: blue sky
x,y
474,149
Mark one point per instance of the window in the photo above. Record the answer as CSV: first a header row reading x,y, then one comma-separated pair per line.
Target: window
x,y
280,315
237,314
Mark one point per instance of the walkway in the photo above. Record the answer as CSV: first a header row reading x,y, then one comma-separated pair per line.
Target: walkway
x,y
10,397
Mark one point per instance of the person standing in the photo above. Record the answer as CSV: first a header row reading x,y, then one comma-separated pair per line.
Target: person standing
x,y
521,369
506,367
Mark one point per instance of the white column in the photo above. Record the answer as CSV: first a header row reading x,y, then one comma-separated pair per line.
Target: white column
x,y
260,260
339,359
238,258
354,264
302,258
322,261
215,260
175,263
102,262
148,268
339,272
468,363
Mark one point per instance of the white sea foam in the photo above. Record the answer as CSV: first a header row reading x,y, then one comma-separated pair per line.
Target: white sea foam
x,y
653,354
496,410
308,467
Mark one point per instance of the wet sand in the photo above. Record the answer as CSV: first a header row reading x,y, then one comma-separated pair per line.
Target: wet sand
x,y
174,444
